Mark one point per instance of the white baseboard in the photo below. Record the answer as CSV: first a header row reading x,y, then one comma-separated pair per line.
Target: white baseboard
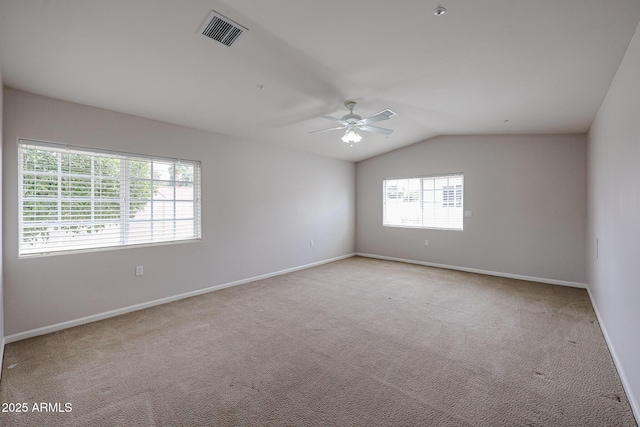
x,y
95,317
475,270
616,361
2,343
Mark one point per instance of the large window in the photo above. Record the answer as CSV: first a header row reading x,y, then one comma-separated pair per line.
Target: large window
x,y
74,198
425,202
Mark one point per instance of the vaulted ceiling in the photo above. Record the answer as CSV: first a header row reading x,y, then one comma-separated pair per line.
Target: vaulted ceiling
x,y
484,67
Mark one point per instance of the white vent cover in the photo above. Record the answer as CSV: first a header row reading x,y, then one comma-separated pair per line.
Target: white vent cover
x,y
387,112
222,29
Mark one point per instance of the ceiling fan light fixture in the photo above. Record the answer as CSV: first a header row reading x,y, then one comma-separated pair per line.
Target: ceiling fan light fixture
x,y
351,136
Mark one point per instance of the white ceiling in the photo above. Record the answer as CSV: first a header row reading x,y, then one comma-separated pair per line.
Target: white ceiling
x,y
543,65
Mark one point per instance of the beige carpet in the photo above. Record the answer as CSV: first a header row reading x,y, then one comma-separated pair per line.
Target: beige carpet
x,y
358,342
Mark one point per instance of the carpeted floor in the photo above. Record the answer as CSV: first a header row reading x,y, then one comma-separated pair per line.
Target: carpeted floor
x,y
358,342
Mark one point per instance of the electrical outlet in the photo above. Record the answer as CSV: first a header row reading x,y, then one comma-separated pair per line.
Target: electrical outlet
x,y
426,243
139,270
311,243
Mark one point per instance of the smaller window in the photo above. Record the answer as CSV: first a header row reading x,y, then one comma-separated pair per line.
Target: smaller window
x,y
424,202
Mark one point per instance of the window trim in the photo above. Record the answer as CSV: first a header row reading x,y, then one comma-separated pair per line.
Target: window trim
x,y
125,179
421,177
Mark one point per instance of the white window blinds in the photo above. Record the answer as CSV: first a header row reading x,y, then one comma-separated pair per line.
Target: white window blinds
x,y
73,199
425,202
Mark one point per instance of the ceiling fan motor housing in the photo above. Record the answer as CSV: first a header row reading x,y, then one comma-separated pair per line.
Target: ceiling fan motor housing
x,y
351,118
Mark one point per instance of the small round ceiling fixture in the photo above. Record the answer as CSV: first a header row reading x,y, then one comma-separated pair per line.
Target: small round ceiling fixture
x,y
439,11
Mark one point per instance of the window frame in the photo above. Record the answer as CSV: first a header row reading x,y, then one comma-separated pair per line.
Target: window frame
x,y
451,190
124,199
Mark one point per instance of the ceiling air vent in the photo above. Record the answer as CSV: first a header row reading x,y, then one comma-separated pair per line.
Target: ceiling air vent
x,y
222,29
387,112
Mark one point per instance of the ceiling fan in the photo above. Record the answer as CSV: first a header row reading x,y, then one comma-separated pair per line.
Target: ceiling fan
x,y
353,123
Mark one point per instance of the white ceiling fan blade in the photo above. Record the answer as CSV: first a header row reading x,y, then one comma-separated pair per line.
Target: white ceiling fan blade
x,y
333,119
324,130
373,119
375,129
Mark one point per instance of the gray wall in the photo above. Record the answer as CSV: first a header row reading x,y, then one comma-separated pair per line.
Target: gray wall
x,y
261,207
1,219
614,218
527,195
